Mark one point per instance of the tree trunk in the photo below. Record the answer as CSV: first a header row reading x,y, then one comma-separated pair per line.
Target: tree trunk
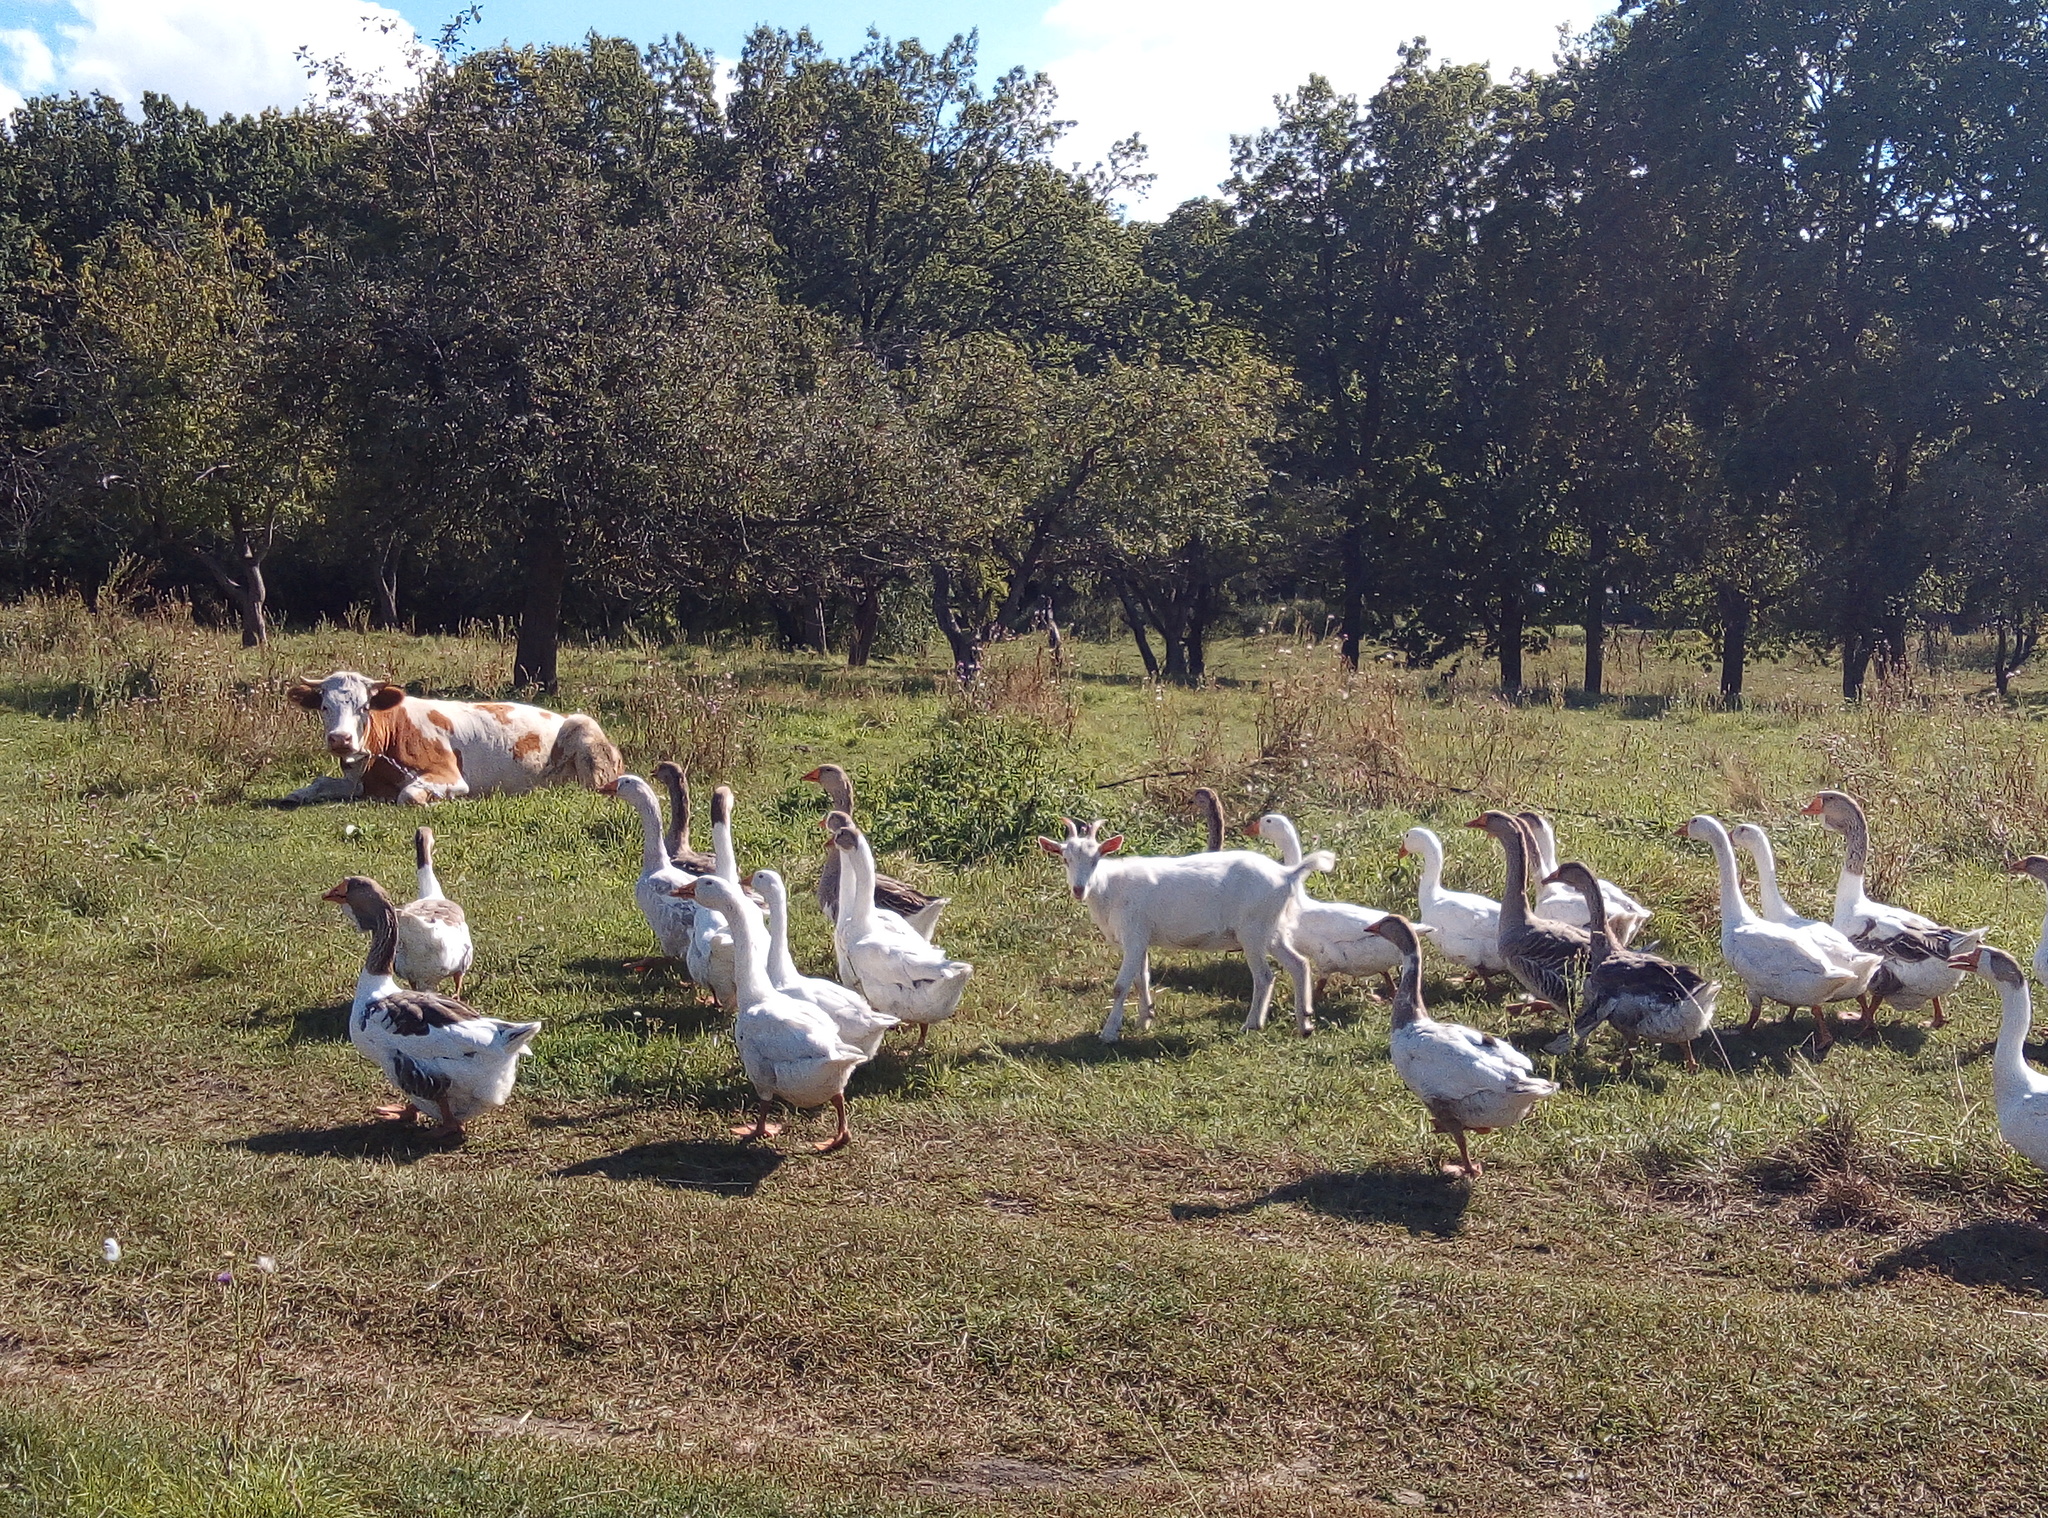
x,y
2001,672
387,584
867,621
244,589
1354,577
966,645
1857,649
1135,620
1511,628
1596,612
1197,635
1734,609
540,619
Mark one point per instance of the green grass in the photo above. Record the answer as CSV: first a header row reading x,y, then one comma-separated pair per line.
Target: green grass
x,y
1201,1272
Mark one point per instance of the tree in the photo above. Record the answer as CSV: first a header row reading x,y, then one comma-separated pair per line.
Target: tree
x,y
169,415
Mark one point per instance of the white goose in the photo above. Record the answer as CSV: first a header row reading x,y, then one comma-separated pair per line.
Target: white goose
x,y
1560,903
2020,1095
1841,953
899,973
1336,936
1916,949
1471,1082
2037,866
711,951
1775,962
437,1052
790,1050
433,932
858,1023
669,919
1466,924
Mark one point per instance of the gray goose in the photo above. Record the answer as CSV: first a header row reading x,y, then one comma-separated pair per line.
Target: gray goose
x,y
676,841
905,900
1548,958
1640,995
439,1053
1916,950
1209,806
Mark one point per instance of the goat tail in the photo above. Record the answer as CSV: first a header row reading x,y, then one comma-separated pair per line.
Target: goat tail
x,y
1321,862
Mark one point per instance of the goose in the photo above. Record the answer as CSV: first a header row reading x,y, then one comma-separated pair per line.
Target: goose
x,y
1841,953
433,933
1336,936
2020,1095
1466,924
899,972
1774,961
710,953
1209,807
858,1023
1640,995
435,1051
672,922
1470,1082
677,839
1546,956
1626,916
791,1050
920,911
2037,866
1916,949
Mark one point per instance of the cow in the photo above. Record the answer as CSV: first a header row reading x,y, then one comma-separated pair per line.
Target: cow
x,y
407,749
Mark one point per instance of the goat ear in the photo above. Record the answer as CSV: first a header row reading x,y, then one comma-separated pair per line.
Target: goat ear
x,y
1049,846
304,693
1111,844
386,696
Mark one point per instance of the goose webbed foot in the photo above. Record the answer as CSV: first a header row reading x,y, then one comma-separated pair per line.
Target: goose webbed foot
x,y
1940,1017
760,1128
397,1112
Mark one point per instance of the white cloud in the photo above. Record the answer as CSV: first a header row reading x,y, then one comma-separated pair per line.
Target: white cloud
x,y
220,55
1185,74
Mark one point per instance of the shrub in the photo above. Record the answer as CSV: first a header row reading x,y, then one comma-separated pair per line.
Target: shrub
x,y
985,786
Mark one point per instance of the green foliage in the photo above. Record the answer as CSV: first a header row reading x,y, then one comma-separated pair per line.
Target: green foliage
x,y
984,786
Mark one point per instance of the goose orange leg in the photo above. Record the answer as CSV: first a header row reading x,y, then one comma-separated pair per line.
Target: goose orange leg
x,y
844,1136
760,1128
1823,1035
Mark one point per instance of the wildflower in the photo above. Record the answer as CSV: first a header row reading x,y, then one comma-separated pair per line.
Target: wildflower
x,y
111,1250
351,831
226,1278
266,1264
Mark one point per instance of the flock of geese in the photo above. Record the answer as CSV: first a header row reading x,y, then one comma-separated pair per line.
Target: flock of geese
x,y
800,1037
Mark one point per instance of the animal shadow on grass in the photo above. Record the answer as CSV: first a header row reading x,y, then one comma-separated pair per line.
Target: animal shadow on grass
x,y
646,1019
1088,1049
727,1169
326,1024
2004,1252
1417,1200
400,1143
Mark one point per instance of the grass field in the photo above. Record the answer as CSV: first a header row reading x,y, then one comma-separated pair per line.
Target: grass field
x,y
1200,1273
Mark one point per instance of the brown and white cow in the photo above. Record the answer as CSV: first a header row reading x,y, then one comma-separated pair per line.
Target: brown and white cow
x,y
396,747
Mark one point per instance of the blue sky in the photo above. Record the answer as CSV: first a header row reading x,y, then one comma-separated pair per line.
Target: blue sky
x,y
1184,74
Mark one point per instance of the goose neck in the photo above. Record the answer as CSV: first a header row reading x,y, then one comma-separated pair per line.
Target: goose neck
x,y
1408,1008
1734,909
1287,836
1767,878
781,966
727,862
653,856
1432,852
2009,1072
1596,918
1514,901
383,953
749,952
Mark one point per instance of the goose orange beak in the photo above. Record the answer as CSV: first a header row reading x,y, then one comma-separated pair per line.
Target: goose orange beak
x,y
687,890
1401,852
1967,961
339,893
812,777
1812,808
1476,822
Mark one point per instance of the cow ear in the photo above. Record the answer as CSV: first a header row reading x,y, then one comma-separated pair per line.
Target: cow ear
x,y
386,696
1049,846
304,693
1111,844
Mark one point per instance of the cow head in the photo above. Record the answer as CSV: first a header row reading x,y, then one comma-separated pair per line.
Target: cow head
x,y
344,701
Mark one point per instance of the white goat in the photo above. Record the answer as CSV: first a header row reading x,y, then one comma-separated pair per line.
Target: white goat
x,y
1233,899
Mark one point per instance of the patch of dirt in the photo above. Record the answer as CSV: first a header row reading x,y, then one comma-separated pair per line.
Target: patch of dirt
x,y
548,1430
1001,1476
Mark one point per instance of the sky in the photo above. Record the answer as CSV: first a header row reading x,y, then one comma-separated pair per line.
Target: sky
x,y
1183,74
